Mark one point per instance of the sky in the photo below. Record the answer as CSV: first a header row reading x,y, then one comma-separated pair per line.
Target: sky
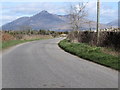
x,y
11,10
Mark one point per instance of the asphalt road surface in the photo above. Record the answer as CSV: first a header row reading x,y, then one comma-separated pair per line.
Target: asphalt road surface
x,y
42,64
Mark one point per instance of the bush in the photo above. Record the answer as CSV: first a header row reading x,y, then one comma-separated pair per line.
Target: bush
x,y
106,39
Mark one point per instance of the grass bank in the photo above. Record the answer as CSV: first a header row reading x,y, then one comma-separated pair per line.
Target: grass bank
x,y
91,53
6,44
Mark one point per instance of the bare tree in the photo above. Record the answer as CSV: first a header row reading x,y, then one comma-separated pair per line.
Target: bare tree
x,y
76,15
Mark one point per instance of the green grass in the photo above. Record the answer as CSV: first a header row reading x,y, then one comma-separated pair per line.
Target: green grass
x,y
91,53
4,45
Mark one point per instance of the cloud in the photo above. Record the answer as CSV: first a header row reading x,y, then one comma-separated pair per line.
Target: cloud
x,y
92,10
56,0
108,11
0,14
9,17
6,19
31,8
13,10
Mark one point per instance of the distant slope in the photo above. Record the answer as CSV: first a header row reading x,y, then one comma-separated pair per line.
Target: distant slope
x,y
45,20
42,20
114,23
16,24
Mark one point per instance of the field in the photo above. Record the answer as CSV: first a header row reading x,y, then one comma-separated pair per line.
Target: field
x,y
10,38
15,42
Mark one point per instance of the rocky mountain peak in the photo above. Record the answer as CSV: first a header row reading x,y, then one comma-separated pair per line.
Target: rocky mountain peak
x,y
44,12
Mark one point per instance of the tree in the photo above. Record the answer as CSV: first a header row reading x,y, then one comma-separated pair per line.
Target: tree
x,y
76,16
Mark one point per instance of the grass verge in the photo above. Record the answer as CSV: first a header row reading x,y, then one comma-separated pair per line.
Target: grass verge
x,y
6,44
91,53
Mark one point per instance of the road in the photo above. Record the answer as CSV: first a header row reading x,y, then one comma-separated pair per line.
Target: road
x,y
42,64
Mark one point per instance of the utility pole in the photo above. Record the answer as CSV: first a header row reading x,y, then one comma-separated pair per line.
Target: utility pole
x,y
98,18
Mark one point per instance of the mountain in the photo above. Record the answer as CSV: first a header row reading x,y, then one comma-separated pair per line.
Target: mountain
x,y
44,20
114,23
14,25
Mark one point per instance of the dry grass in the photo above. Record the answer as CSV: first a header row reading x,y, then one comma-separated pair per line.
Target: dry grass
x,y
110,51
6,37
29,37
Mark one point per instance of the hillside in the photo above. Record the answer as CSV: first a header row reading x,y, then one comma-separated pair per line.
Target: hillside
x,y
114,23
45,20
